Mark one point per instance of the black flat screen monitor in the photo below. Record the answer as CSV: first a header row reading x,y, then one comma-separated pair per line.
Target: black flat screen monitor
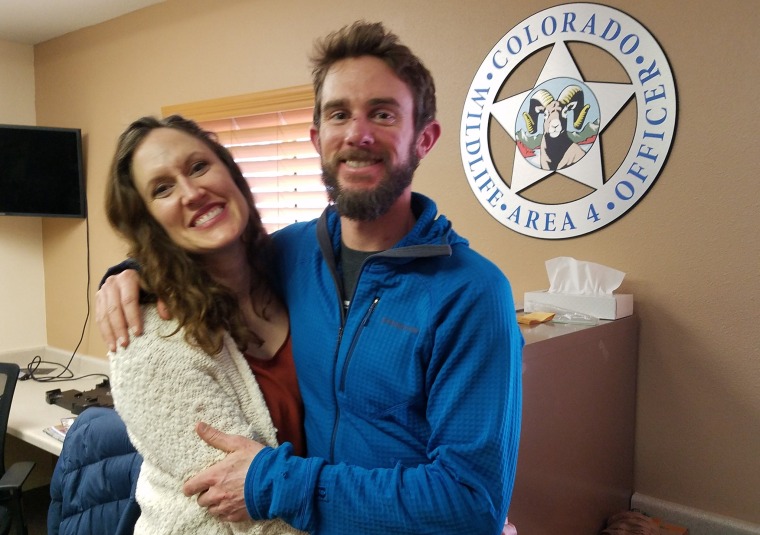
x,y
41,172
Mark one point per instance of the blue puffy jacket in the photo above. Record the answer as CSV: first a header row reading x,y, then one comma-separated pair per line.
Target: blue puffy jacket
x,y
93,486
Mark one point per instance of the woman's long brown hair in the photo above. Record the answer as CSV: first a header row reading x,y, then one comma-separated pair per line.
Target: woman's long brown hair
x,y
205,308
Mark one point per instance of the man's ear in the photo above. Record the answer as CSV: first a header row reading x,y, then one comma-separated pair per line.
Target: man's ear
x,y
314,134
427,138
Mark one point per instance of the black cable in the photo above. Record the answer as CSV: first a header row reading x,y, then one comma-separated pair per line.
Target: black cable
x,y
34,365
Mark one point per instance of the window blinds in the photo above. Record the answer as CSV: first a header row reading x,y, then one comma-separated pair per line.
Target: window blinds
x,y
268,135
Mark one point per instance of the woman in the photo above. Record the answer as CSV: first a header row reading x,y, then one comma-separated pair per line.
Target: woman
x,y
186,211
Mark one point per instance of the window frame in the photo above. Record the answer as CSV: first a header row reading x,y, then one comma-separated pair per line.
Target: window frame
x,y
301,96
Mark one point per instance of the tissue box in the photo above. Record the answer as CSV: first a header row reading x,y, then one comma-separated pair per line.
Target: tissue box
x,y
606,307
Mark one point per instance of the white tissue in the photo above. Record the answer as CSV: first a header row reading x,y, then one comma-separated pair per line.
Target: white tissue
x,y
573,277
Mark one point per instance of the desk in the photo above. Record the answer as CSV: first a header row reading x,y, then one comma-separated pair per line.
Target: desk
x,y
575,462
30,412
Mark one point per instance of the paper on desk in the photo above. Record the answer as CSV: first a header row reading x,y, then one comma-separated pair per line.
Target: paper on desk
x,y
534,318
573,277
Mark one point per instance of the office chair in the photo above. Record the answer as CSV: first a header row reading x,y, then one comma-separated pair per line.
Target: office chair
x,y
11,480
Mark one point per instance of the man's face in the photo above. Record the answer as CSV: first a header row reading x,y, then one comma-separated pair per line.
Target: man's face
x,y
366,138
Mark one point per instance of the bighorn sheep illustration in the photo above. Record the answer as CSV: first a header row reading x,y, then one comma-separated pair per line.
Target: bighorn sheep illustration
x,y
557,149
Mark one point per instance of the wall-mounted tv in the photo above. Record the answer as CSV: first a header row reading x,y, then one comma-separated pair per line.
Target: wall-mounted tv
x,y
41,172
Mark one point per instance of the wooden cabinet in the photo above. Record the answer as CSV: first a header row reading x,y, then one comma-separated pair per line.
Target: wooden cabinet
x,y
575,463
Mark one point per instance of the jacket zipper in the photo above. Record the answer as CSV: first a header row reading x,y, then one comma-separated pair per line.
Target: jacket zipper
x,y
363,323
337,405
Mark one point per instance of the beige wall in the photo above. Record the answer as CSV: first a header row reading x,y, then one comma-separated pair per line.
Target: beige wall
x,y
22,289
690,248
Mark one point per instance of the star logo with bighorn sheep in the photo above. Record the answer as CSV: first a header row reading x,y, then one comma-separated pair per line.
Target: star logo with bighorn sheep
x,y
561,111
564,148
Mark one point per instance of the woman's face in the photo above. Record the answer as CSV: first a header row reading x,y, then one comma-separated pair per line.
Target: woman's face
x,y
189,192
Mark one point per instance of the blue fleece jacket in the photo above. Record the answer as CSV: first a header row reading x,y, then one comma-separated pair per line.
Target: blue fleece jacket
x,y
412,395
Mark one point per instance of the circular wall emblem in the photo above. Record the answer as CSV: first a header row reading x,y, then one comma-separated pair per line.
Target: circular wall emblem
x,y
568,121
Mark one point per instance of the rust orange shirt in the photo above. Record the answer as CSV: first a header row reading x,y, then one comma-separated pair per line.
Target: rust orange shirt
x,y
278,383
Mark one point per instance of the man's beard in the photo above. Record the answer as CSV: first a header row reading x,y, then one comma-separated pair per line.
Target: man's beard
x,y
369,204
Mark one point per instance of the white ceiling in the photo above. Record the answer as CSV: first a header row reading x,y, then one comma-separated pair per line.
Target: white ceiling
x,y
34,21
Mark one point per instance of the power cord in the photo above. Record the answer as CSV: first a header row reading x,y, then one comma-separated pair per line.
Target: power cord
x,y
66,374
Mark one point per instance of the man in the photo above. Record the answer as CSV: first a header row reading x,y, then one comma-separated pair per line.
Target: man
x,y
405,340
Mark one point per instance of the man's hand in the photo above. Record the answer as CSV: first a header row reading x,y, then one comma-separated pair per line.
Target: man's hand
x,y
117,309
220,487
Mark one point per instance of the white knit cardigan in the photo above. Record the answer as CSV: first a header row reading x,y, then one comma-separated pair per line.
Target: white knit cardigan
x,y
162,386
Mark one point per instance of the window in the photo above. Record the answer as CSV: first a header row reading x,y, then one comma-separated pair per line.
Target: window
x,y
268,135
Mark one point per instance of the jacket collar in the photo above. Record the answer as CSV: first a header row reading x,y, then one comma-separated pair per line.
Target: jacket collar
x,y
431,235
